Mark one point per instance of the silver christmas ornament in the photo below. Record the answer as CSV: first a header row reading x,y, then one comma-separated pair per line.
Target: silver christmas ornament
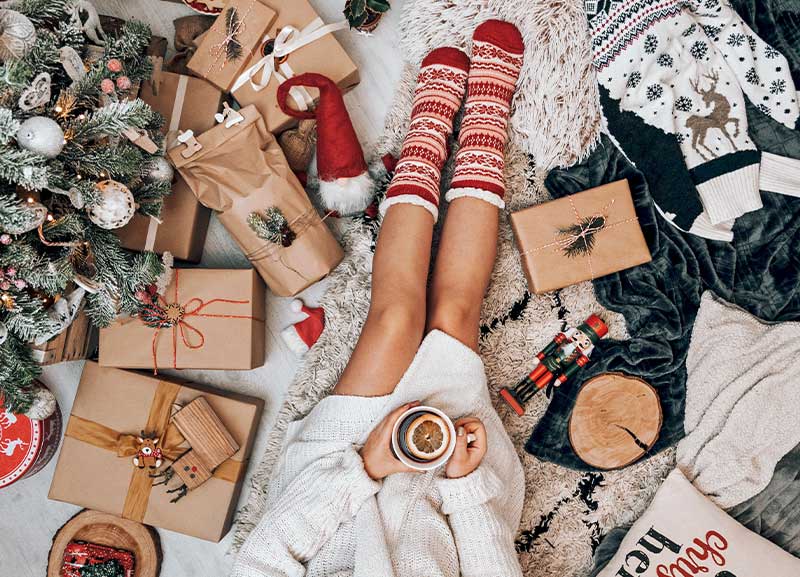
x,y
17,35
159,170
3,332
44,403
41,135
116,206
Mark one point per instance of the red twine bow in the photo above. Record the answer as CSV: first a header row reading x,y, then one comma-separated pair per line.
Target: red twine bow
x,y
160,314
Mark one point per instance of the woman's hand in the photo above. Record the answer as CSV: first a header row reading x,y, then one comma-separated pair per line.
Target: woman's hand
x,y
467,456
379,461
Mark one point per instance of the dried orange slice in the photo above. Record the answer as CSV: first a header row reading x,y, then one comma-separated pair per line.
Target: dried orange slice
x,y
427,437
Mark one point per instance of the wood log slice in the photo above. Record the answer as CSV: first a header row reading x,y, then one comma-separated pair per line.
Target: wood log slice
x,y
111,531
615,422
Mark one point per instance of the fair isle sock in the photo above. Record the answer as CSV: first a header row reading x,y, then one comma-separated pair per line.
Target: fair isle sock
x,y
440,88
496,61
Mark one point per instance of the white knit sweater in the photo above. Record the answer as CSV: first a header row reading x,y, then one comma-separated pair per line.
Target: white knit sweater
x,y
326,517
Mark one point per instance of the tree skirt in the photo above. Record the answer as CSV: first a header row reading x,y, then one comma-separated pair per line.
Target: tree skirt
x,y
555,122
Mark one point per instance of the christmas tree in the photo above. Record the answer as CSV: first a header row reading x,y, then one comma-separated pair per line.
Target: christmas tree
x,y
73,166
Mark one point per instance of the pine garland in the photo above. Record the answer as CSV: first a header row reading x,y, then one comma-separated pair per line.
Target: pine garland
x,y
272,227
95,150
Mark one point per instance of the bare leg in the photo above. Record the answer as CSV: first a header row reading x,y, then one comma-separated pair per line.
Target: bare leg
x,y
465,261
396,320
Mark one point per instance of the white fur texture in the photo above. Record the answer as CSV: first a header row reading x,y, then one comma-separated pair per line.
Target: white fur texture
x,y
410,199
484,195
297,345
347,195
555,122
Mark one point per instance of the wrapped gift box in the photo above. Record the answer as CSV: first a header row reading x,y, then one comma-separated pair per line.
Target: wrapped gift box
x,y
580,237
95,468
78,341
239,170
312,46
186,103
207,319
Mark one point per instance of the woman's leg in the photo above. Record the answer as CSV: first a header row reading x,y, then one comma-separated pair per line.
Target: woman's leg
x,y
469,239
396,320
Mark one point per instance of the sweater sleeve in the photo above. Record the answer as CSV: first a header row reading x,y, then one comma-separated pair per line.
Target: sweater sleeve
x,y
303,518
484,540
763,73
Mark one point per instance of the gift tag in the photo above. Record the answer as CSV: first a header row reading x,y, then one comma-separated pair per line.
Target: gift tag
x,y
192,146
229,115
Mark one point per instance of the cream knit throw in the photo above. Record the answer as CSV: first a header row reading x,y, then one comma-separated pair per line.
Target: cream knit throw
x,y
325,516
742,401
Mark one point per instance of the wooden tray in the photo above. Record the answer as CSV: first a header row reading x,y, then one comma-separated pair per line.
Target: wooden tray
x,y
112,531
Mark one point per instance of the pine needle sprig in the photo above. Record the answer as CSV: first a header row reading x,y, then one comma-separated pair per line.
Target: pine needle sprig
x,y
272,226
583,235
22,167
233,48
18,370
8,126
111,120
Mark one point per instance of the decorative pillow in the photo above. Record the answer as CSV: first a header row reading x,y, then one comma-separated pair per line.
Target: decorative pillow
x,y
683,534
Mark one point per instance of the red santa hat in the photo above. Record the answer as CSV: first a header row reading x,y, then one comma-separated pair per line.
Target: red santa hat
x,y
345,185
302,335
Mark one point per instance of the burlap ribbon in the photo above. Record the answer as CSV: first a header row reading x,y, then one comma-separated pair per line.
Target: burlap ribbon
x,y
125,446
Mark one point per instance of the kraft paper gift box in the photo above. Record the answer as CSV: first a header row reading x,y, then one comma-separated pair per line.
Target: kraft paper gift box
x,y
186,103
216,321
95,467
579,237
310,47
240,170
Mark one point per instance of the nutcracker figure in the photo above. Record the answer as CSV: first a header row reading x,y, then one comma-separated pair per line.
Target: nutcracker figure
x,y
555,364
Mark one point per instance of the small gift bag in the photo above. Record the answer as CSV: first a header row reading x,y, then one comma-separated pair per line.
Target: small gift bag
x,y
238,170
580,237
186,103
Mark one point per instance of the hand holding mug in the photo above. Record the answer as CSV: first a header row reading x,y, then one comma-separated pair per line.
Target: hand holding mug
x,y
471,445
379,460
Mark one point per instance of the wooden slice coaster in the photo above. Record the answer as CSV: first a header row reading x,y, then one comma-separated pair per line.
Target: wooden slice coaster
x,y
111,531
615,422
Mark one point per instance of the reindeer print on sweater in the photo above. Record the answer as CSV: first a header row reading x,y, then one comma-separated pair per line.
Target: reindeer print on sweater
x,y
685,68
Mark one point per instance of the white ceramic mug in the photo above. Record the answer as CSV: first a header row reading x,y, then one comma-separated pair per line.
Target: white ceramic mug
x,y
425,465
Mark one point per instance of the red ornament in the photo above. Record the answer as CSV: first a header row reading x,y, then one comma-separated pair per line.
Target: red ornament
x,y
107,86
20,284
26,445
114,65
5,285
5,239
123,83
11,272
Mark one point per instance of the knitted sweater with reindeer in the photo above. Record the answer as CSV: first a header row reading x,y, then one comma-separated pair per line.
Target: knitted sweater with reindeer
x,y
685,67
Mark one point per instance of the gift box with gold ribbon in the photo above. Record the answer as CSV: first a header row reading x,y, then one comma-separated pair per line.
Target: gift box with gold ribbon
x,y
205,319
579,237
113,411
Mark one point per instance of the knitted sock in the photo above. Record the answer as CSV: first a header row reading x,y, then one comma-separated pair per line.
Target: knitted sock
x,y
440,88
496,61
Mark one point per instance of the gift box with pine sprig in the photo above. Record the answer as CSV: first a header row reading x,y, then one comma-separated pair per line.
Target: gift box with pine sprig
x,y
580,237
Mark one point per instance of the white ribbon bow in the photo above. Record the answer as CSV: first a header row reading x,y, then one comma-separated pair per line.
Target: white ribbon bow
x,y
288,40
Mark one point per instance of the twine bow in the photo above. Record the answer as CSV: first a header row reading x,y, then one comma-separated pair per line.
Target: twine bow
x,y
160,314
578,239
232,33
288,40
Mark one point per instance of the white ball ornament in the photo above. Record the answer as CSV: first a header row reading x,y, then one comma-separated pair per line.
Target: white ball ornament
x,y
44,403
17,35
41,135
116,206
159,170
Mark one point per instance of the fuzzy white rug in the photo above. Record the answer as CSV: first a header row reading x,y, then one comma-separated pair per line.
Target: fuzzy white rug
x,y
556,121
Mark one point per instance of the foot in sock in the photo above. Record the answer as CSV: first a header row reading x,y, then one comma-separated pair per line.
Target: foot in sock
x,y
440,88
497,50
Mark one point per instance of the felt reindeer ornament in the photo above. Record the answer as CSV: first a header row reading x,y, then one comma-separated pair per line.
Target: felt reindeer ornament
x,y
149,454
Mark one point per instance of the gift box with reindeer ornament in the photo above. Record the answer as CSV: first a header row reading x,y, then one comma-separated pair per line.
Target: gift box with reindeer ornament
x,y
579,237
158,451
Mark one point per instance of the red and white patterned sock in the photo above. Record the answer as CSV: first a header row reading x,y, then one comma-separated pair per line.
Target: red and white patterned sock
x,y
440,88
497,49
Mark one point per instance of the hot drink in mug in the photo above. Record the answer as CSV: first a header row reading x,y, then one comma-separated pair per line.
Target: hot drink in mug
x,y
424,438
